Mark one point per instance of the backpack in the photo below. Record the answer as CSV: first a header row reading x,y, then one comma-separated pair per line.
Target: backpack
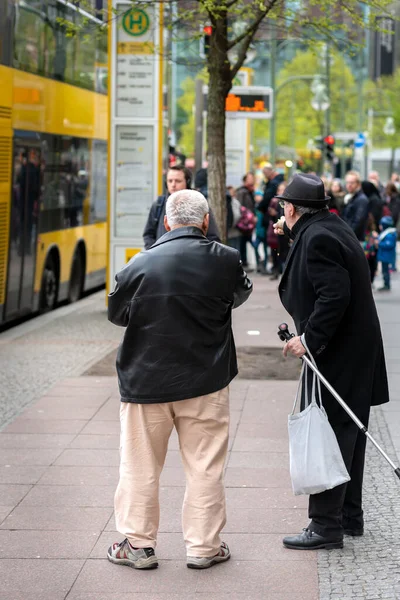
x,y
247,221
159,207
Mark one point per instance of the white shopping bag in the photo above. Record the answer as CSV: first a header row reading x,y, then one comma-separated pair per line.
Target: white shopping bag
x,y
316,462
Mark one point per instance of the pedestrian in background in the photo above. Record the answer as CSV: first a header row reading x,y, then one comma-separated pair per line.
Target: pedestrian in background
x,y
273,238
387,250
245,195
178,178
272,181
337,193
375,202
326,289
260,237
393,202
355,212
174,366
374,177
370,246
233,233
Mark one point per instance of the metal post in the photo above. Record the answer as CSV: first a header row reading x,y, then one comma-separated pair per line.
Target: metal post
x,y
370,134
272,130
199,125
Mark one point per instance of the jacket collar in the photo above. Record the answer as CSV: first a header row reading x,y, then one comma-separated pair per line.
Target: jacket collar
x,y
319,216
179,232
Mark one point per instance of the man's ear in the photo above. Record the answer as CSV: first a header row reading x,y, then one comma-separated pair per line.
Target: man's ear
x,y
167,227
206,223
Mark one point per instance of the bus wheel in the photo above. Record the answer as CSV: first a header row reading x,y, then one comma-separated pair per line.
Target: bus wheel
x,y
77,278
49,288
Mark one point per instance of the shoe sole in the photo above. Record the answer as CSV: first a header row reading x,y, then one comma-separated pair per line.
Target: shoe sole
x,y
326,546
143,565
214,561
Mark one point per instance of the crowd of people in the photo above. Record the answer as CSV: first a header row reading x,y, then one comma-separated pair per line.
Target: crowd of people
x,y
371,209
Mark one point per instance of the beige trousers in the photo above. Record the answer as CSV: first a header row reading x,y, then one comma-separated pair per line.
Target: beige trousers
x,y
202,425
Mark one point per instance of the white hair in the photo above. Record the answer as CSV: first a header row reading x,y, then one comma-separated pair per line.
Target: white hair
x,y
186,207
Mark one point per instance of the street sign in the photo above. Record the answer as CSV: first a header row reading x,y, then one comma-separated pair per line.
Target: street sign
x,y
359,142
138,131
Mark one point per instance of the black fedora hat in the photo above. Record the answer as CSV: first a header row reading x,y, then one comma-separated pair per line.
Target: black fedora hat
x,y
305,189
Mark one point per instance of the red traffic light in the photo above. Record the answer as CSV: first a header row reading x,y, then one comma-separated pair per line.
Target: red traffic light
x,y
207,30
329,140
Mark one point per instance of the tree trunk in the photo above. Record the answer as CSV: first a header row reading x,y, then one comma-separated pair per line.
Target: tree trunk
x,y
218,87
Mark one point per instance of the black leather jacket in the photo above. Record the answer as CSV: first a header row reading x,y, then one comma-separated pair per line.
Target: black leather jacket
x,y
175,301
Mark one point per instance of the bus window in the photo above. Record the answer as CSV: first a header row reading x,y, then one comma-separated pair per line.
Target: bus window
x,y
29,36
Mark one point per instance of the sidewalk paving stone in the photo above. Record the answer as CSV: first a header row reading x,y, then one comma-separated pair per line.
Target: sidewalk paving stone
x,y
270,577
37,579
11,495
17,474
24,543
35,440
61,518
70,495
90,476
257,478
30,456
21,425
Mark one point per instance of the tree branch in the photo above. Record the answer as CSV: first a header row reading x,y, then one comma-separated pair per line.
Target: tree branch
x,y
251,30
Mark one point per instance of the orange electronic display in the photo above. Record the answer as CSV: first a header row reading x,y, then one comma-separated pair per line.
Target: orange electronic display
x,y
250,102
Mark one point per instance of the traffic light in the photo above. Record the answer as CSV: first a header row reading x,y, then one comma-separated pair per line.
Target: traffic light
x,y
329,142
205,41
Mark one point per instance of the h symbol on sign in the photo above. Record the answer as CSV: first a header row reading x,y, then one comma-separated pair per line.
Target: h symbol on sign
x,y
136,24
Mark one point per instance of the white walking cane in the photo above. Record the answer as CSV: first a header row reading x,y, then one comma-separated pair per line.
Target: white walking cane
x,y
285,336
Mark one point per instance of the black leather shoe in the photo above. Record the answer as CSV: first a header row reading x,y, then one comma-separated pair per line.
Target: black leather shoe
x,y
354,532
309,540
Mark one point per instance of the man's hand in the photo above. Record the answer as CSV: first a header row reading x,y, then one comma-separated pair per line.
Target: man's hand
x,y
295,347
278,226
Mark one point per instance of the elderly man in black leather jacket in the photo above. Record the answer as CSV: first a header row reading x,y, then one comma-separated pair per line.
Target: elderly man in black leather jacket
x,y
174,366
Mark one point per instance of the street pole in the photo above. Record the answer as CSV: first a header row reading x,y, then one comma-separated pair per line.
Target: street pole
x,y
198,161
328,93
272,129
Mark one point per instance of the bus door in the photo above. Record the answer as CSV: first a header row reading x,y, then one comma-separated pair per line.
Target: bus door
x,y
26,192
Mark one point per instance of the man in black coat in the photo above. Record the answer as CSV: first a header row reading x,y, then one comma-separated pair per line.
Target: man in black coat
x,y
273,179
326,289
174,366
178,178
355,212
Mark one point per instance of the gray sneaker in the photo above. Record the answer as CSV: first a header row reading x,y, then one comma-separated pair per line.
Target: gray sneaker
x,y
205,562
138,558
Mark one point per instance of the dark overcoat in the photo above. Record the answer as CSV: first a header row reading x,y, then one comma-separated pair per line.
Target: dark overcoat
x,y
176,301
326,289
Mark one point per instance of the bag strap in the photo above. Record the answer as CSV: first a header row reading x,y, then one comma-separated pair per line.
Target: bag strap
x,y
303,374
159,207
316,384
315,377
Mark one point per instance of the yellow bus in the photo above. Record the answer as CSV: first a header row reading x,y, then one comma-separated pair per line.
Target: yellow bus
x,y
53,155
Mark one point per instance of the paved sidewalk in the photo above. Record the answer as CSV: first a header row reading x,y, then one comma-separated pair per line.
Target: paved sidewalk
x,y
59,470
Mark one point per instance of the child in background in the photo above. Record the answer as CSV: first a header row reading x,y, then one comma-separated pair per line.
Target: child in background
x,y
370,246
261,237
386,249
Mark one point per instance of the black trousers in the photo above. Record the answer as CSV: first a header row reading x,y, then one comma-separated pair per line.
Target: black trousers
x,y
341,507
